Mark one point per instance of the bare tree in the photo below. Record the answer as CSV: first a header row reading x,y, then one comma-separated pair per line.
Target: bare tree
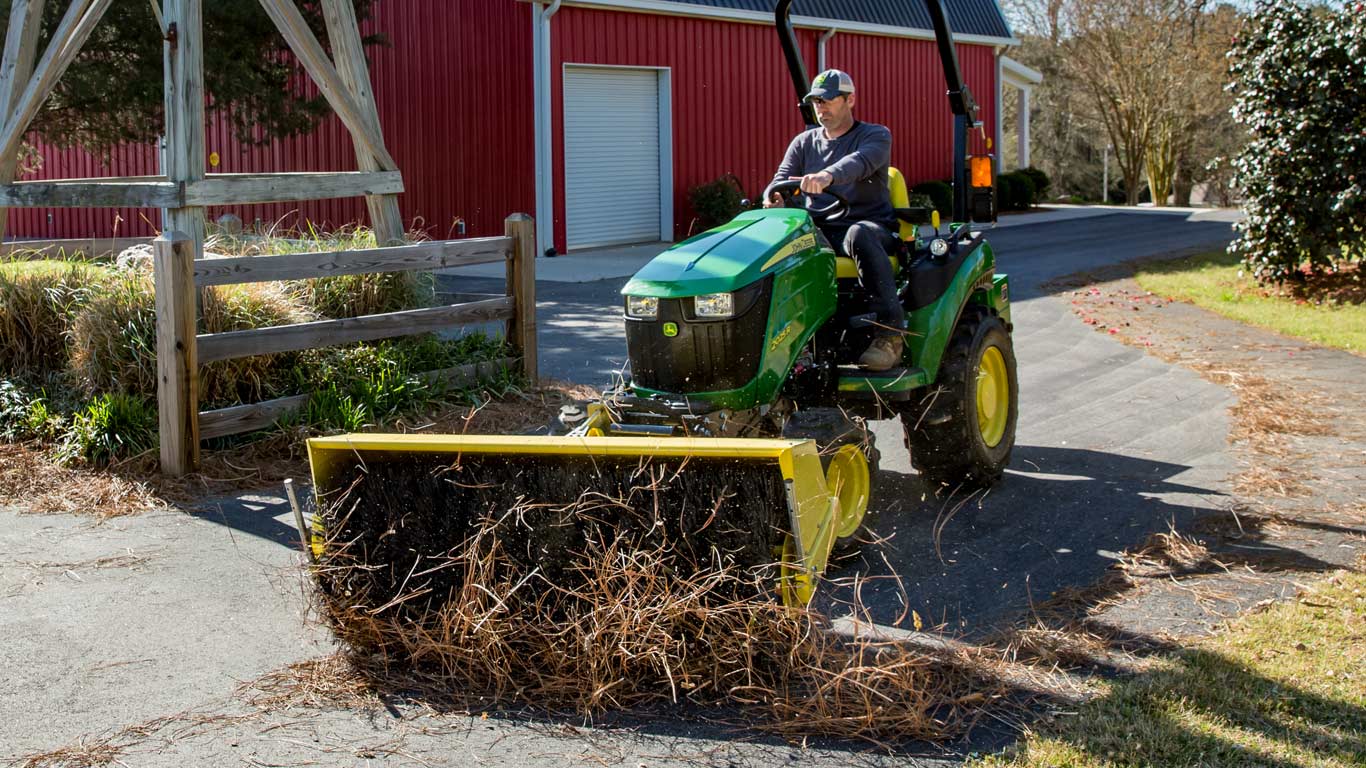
x,y
1121,54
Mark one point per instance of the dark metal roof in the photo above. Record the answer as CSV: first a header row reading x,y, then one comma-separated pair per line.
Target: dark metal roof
x,y
970,17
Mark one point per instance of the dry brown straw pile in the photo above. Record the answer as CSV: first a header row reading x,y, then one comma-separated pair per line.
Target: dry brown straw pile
x,y
629,619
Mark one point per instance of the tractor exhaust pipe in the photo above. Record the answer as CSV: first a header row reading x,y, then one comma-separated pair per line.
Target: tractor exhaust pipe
x,y
795,66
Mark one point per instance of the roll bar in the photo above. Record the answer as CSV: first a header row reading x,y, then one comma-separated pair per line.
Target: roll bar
x,y
961,102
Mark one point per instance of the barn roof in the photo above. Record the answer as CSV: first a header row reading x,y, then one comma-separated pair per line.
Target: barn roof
x,y
966,17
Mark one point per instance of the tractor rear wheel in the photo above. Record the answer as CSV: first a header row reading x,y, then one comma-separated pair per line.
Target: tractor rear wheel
x,y
961,432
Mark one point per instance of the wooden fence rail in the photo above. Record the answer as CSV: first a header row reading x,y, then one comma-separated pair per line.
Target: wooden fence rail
x,y
180,350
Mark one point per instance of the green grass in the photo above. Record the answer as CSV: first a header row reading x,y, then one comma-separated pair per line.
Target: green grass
x,y
1216,282
1285,687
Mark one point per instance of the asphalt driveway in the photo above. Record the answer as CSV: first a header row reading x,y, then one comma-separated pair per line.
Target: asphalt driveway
x,y
146,617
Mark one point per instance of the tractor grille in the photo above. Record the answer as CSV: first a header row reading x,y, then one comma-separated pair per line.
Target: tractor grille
x,y
706,355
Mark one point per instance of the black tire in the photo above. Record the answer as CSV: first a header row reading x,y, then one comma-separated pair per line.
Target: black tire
x,y
942,430
831,429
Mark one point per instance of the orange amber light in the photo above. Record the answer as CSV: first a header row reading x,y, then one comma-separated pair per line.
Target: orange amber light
x,y
980,168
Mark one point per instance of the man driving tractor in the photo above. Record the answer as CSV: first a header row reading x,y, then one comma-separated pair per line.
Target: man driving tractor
x,y
850,158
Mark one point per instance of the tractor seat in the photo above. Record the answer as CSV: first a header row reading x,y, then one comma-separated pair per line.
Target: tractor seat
x,y
901,200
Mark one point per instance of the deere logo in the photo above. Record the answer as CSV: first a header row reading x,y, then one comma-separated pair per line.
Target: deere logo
x,y
824,80
671,329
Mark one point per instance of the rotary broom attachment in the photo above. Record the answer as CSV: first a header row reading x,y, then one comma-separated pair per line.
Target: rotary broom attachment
x,y
597,576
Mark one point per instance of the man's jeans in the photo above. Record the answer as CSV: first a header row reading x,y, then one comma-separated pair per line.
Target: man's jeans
x,y
868,244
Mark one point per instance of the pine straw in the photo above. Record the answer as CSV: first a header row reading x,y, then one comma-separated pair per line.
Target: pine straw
x,y
1061,630
28,477
84,754
629,625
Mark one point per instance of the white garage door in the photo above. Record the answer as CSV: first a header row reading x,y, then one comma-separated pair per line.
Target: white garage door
x,y
612,177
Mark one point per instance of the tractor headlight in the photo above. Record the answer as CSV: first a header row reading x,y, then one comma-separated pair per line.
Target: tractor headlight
x,y
643,307
714,305
938,247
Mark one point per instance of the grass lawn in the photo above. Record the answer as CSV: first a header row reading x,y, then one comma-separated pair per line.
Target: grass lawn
x,y
1285,687
1212,281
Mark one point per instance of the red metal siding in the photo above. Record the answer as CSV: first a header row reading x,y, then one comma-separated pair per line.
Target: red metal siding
x,y
455,97
455,102
733,109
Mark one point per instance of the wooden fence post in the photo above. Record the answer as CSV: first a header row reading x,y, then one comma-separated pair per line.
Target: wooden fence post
x,y
521,286
177,360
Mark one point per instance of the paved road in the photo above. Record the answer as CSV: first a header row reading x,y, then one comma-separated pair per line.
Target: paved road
x,y
108,626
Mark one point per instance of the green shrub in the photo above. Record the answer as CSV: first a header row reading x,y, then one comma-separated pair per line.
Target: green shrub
x,y
717,202
1006,193
112,426
37,302
1299,86
1015,190
14,408
362,385
940,192
1041,182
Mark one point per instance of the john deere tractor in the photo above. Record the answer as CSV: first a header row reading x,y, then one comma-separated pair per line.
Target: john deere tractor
x,y
742,344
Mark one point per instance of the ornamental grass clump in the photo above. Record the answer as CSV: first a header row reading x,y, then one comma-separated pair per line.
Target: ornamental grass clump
x,y
38,300
114,339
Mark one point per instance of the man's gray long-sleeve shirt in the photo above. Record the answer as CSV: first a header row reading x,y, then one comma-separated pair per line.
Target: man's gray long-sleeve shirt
x,y
858,161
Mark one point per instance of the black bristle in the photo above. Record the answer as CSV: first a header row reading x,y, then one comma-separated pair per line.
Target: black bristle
x,y
399,515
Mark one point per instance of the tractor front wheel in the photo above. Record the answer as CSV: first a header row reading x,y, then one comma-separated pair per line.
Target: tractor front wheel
x,y
961,432
850,458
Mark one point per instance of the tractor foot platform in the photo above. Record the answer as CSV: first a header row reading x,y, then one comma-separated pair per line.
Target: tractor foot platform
x,y
895,384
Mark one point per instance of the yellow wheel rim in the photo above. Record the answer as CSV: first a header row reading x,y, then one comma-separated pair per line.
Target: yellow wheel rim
x,y
849,480
797,586
993,396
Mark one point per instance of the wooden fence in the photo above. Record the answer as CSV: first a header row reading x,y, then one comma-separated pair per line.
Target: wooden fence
x,y
181,350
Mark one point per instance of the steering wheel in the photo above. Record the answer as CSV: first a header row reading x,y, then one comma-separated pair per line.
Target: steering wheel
x,y
793,188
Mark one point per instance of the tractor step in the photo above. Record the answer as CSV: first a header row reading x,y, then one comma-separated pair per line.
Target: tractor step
x,y
894,384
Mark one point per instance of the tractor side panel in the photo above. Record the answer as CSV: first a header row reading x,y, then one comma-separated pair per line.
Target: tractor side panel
x,y
804,298
931,326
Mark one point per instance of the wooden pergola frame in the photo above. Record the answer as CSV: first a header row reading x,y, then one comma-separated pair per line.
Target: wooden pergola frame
x,y
186,188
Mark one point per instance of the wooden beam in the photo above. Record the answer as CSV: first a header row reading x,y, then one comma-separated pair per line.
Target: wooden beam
x,y
402,258
71,33
249,418
177,367
184,107
131,192
521,288
87,247
250,188
310,53
349,54
16,67
324,333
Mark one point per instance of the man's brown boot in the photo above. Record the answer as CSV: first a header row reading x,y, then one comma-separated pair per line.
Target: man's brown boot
x,y
882,354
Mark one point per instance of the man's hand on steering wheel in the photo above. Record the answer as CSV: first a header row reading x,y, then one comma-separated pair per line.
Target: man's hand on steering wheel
x,y
814,183
780,193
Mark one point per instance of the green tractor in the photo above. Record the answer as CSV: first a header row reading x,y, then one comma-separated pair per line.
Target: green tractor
x,y
752,329
738,439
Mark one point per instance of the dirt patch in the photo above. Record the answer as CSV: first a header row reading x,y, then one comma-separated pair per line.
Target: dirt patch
x,y
1342,284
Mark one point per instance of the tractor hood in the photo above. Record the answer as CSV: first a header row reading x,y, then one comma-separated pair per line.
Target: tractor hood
x,y
729,257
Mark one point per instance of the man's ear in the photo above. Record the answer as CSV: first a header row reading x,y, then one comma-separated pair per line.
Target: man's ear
x,y
850,99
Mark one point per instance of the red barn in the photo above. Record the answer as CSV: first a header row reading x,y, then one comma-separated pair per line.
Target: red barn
x,y
598,115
